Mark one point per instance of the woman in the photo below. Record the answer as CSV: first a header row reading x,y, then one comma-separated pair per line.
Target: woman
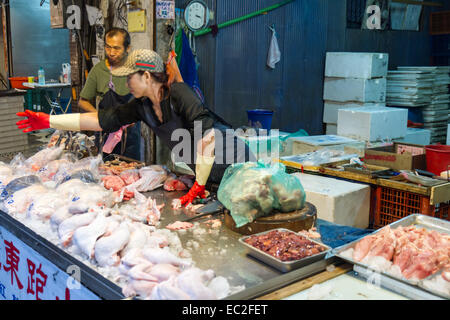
x,y
169,111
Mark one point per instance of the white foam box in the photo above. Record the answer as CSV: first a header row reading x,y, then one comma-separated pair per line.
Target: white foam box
x,y
372,123
353,89
331,128
331,108
416,136
342,202
365,65
302,145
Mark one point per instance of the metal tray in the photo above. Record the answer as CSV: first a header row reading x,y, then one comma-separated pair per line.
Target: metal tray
x,y
278,264
422,285
418,220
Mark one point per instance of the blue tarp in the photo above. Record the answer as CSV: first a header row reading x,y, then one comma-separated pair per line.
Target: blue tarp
x,y
335,235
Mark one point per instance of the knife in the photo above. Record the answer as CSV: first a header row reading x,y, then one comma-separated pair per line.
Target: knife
x,y
209,209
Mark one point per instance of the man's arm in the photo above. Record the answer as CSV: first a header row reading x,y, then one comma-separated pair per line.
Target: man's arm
x,y
86,105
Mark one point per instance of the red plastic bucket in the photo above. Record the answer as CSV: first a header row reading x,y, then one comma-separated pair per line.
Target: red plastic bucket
x,y
438,158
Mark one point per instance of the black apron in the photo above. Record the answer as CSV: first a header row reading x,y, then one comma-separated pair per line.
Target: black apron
x,y
164,132
131,137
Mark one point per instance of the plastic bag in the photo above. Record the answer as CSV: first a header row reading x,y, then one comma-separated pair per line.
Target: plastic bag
x,y
18,184
151,177
253,190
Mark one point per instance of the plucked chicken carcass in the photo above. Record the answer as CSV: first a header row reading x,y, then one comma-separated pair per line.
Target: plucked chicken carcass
x,y
19,201
138,238
68,227
157,255
107,248
44,206
192,283
86,237
151,178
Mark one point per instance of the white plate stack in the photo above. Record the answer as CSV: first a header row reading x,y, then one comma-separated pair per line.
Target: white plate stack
x,y
425,88
353,80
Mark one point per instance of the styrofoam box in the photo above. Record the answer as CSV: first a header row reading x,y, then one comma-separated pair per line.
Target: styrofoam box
x,y
364,65
330,109
342,202
331,128
302,145
416,136
353,89
372,123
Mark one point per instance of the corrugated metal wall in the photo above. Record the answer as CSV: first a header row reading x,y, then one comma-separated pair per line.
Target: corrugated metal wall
x,y
233,72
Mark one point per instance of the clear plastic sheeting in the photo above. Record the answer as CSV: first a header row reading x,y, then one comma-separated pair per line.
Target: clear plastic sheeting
x,y
253,190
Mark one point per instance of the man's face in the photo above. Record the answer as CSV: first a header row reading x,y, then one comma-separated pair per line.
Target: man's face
x,y
114,49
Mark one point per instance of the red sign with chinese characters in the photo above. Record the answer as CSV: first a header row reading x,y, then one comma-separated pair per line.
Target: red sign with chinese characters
x,y
27,275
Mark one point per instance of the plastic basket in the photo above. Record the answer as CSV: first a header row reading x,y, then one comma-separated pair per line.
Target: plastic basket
x,y
393,204
17,82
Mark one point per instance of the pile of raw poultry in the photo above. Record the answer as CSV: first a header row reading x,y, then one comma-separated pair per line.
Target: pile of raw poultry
x,y
96,211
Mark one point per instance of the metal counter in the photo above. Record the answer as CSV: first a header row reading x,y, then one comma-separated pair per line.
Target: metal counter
x,y
219,249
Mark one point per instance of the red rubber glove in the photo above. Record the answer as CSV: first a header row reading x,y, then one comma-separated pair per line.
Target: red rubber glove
x,y
196,191
34,121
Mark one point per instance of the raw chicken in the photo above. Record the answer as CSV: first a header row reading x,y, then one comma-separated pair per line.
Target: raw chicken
x,y
138,238
163,271
156,255
129,176
141,272
140,288
174,184
85,237
415,253
107,247
113,182
168,290
44,206
179,225
190,284
61,214
67,228
151,177
41,158
20,200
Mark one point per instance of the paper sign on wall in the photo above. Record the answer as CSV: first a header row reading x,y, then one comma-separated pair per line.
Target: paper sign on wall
x,y
165,9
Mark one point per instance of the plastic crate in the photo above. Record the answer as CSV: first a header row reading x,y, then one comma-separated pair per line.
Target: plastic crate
x,y
391,205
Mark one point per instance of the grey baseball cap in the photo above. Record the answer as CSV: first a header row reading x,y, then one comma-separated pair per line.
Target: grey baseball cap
x,y
140,59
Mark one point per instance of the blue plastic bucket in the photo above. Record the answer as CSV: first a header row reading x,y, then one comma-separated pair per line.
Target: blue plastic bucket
x,y
260,118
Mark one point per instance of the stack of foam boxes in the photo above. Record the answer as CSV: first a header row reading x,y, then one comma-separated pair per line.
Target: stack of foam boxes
x,y
355,98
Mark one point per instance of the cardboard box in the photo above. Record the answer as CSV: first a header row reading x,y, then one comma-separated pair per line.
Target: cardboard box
x,y
399,156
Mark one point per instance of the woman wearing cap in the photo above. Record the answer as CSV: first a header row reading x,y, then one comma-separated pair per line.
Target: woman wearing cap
x,y
165,109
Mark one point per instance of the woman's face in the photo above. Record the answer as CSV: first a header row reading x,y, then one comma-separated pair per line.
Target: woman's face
x,y
137,84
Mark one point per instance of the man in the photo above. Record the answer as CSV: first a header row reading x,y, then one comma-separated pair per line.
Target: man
x,y
112,90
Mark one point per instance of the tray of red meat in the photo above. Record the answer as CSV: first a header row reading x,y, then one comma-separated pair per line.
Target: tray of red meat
x,y
284,249
409,250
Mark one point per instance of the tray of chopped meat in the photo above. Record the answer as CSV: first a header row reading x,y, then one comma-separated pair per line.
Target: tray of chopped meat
x,y
409,250
284,249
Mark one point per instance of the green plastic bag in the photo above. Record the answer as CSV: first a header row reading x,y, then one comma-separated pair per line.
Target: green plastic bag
x,y
256,189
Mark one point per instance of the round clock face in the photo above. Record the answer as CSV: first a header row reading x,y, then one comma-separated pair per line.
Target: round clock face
x,y
196,15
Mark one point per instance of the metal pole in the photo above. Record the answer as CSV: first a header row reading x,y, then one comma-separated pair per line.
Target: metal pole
x,y
248,16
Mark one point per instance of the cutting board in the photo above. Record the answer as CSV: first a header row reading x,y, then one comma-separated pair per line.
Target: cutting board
x,y
298,220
